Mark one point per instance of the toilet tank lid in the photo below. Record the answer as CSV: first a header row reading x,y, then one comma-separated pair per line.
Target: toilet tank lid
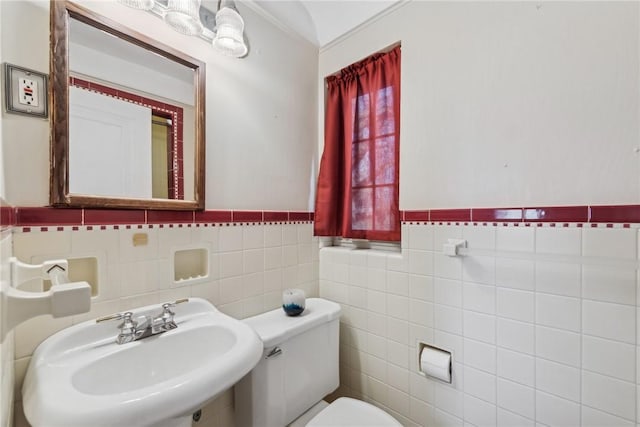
x,y
274,327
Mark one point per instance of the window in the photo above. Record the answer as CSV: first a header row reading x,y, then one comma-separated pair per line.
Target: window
x,y
358,187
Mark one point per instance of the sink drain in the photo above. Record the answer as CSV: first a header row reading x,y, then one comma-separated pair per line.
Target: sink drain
x,y
197,415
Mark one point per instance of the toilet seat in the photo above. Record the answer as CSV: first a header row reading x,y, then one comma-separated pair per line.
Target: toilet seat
x,y
347,412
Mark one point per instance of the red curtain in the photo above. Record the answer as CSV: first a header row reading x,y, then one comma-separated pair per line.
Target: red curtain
x,y
357,193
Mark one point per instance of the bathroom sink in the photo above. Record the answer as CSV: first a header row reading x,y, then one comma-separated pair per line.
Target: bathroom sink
x,y
81,376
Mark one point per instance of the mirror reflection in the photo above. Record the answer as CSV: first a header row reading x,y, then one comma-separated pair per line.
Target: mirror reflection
x,y
132,116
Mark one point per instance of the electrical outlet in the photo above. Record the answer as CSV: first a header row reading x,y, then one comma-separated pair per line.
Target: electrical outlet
x,y
28,92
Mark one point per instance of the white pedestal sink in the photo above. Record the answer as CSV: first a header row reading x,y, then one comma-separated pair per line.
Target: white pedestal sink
x,y
81,377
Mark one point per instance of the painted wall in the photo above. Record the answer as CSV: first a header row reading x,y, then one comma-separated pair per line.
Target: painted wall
x,y
260,114
511,103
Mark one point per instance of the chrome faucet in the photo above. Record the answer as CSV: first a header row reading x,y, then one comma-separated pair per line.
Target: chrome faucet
x,y
144,326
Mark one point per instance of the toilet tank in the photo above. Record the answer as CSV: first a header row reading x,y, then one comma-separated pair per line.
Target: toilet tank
x,y
299,365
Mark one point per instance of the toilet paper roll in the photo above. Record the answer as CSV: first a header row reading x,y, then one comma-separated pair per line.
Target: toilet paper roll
x,y
436,363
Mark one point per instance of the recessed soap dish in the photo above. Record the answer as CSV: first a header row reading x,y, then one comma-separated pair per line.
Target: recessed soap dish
x,y
189,265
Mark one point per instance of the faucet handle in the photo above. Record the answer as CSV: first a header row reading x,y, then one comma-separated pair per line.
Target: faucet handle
x,y
115,316
166,317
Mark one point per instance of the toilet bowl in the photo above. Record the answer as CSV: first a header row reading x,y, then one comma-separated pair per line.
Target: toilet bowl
x,y
299,367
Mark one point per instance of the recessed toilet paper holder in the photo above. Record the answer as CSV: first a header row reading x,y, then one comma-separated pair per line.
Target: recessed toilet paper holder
x,y
435,363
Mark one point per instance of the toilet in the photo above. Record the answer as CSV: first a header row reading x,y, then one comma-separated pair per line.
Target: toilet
x,y
299,366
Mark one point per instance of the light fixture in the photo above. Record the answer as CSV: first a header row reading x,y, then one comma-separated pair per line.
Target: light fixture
x,y
224,29
139,4
184,16
229,38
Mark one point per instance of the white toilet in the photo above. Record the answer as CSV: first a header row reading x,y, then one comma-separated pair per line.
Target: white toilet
x,y
299,366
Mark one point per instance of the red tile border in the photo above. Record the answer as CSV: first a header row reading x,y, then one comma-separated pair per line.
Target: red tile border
x,y
213,216
416,215
169,217
615,214
299,216
450,215
557,214
497,214
48,216
275,216
109,216
7,216
247,216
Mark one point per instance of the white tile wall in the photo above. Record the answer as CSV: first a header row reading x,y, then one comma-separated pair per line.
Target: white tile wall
x,y
250,266
535,342
7,342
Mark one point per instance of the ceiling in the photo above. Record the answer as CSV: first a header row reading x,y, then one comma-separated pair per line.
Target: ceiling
x,y
321,21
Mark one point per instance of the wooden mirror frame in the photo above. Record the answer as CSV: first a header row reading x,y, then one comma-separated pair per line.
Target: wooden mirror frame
x,y
61,12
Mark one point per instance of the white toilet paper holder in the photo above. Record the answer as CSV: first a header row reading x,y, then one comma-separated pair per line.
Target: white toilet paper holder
x,y
443,372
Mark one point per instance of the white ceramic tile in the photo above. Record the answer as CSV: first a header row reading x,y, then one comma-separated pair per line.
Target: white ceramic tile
x,y
515,273
252,285
480,355
594,418
446,267
516,239
553,240
442,233
289,234
357,297
398,354
376,301
421,287
606,320
230,290
139,277
449,400
398,400
304,252
252,237
231,264
398,262
478,412
252,306
272,258
27,245
558,345
448,319
358,257
357,275
515,304
420,237
516,398
478,326
517,367
419,333
420,262
130,253
398,306
609,394
377,346
447,292
273,280
397,283
421,313
555,411
377,323
398,377
611,358
376,279
558,311
509,419
253,260
89,241
420,412
558,278
514,335
609,284
290,255
230,239
480,298
454,344
376,259
443,419
479,237
272,235
609,242
558,379
479,269
305,232
480,384
422,388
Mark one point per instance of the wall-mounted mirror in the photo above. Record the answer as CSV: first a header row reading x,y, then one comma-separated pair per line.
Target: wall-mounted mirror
x,y
127,125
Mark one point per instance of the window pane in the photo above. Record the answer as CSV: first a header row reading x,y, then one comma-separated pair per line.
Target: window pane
x,y
386,160
360,165
385,123
362,209
385,210
361,117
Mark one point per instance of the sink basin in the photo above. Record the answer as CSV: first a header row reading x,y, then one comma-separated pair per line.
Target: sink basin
x,y
81,377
